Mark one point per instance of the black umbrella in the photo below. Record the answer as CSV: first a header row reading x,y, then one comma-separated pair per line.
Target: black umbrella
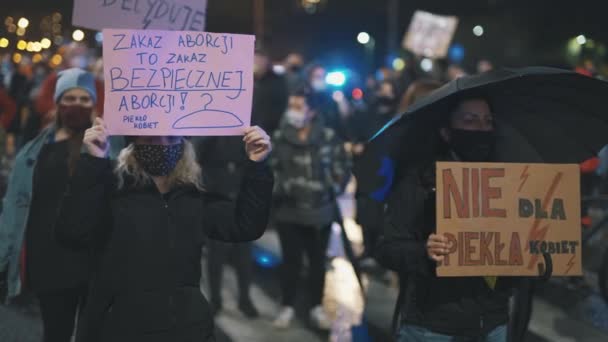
x,y
542,115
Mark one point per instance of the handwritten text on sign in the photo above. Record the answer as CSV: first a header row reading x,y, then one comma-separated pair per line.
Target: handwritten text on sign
x,y
500,218
184,15
177,83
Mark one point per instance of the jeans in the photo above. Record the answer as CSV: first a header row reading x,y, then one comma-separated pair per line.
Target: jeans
x,y
411,333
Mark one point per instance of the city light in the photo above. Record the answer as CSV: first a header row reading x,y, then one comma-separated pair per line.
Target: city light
x,y
581,40
17,58
23,23
478,30
20,31
357,94
398,64
78,35
3,42
335,78
363,38
37,58
426,65
21,45
56,60
99,37
45,43
30,47
36,47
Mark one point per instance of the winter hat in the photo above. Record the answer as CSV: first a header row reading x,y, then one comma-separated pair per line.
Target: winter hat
x,y
75,78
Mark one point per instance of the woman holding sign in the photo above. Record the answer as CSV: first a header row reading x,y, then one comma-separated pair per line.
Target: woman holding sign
x,y
432,308
145,220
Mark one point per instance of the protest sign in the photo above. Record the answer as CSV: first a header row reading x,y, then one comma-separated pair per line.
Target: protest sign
x,y
177,83
182,15
430,35
500,218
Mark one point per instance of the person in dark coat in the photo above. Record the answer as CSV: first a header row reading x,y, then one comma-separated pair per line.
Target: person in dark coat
x,y
312,170
145,221
429,307
36,261
224,161
269,94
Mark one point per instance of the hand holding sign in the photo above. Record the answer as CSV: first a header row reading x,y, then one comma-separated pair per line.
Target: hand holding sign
x,y
257,144
437,247
96,139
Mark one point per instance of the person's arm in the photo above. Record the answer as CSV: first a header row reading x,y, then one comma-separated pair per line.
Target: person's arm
x,y
85,214
341,166
402,246
246,218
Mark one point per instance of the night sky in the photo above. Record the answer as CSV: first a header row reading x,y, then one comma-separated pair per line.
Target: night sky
x,y
517,31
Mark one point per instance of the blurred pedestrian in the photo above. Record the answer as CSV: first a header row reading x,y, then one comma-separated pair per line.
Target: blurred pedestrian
x,y
294,66
145,220
429,307
269,94
312,169
225,162
321,98
484,65
30,254
75,57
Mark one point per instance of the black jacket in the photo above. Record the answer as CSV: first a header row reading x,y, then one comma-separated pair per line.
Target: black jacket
x,y
461,306
146,249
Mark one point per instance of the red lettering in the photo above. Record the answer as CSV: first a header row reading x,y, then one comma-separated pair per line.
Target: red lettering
x,y
488,193
451,190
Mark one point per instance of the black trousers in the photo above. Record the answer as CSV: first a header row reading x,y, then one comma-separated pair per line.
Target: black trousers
x,y
295,241
59,309
219,254
370,218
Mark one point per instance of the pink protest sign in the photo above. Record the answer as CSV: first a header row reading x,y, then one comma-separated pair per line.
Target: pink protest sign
x,y
177,82
185,15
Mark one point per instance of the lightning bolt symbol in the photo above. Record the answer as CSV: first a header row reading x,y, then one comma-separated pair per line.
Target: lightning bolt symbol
x,y
539,234
570,264
524,177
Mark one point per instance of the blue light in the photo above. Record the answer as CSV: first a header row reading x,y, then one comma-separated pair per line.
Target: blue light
x,y
336,78
264,258
99,37
456,53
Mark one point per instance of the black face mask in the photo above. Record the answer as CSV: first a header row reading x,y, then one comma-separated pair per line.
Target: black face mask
x,y
158,160
473,146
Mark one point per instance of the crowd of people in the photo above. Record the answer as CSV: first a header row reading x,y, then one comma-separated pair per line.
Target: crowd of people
x,y
105,241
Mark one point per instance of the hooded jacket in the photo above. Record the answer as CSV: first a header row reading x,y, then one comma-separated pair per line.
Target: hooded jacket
x,y
309,174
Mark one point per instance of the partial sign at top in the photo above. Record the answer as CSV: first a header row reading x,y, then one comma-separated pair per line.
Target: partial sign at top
x,y
173,15
430,35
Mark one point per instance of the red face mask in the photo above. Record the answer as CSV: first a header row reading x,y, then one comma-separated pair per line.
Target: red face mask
x,y
75,117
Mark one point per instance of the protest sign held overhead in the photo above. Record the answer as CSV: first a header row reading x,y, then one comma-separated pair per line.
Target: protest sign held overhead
x,y
177,83
183,15
501,218
430,35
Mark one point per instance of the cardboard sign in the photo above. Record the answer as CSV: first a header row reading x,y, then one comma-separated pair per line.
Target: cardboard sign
x,y
177,83
183,15
430,35
501,218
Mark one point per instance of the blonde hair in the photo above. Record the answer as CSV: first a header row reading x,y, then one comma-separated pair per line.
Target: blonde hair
x,y
186,172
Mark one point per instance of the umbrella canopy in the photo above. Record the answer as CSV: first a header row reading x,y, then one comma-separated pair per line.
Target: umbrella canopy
x,y
542,115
